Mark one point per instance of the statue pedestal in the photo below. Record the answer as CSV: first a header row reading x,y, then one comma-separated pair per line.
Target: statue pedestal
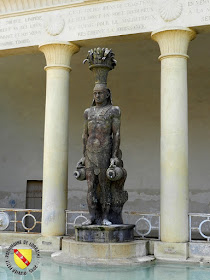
x,y
103,245
104,234
90,253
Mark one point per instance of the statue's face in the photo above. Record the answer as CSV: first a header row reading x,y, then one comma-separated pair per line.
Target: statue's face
x,y
100,96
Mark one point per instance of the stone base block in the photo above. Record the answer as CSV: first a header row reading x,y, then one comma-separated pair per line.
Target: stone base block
x,y
170,251
63,258
151,246
50,244
199,251
74,252
105,234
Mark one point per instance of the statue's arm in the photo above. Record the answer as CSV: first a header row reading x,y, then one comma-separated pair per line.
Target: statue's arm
x,y
84,138
116,131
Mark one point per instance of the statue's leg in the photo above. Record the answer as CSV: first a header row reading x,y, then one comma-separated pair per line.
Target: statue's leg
x,y
105,185
92,182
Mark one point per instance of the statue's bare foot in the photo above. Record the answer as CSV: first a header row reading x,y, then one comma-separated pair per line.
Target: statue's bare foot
x,y
106,222
87,223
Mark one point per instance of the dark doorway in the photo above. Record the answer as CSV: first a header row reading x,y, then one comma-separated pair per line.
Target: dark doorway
x,y
34,201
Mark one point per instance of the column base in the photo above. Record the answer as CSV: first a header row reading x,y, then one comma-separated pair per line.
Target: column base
x,y
170,251
47,244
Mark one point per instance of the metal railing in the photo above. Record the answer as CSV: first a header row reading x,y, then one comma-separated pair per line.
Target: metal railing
x,y
73,218
147,225
199,223
15,220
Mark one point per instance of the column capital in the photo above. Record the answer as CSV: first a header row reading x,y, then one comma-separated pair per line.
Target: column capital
x,y
58,54
174,41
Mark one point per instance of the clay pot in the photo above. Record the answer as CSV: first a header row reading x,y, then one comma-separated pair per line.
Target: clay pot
x,y
80,174
114,173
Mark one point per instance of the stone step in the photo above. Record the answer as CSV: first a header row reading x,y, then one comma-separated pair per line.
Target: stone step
x,y
128,250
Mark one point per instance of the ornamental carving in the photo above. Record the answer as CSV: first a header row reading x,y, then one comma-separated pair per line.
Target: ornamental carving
x,y
170,10
14,6
54,25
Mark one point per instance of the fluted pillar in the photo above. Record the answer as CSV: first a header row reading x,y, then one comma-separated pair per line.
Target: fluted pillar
x,y
55,168
174,132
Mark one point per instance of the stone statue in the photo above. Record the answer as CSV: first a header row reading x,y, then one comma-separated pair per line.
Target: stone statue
x,y
101,164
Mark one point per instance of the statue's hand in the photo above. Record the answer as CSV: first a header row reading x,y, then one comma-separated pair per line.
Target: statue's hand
x,y
81,162
114,161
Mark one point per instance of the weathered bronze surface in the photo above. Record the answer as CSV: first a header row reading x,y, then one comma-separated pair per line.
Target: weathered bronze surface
x,y
104,234
102,164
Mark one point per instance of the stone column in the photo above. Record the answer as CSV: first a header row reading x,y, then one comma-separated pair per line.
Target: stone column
x,y
174,132
55,168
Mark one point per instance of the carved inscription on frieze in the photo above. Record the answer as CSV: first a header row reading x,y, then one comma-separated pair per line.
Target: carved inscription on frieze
x,y
107,20
199,9
102,19
19,31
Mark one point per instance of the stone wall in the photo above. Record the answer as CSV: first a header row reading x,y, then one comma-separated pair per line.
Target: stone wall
x,y
135,86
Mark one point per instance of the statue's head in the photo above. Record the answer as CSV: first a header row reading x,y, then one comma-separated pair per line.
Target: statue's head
x,y
100,94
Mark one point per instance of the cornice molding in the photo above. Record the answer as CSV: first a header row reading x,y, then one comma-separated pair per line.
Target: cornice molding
x,y
11,8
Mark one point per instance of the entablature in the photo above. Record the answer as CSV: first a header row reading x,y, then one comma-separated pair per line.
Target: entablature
x,y
29,23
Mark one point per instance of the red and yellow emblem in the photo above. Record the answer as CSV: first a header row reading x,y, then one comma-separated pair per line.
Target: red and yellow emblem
x,y
22,257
